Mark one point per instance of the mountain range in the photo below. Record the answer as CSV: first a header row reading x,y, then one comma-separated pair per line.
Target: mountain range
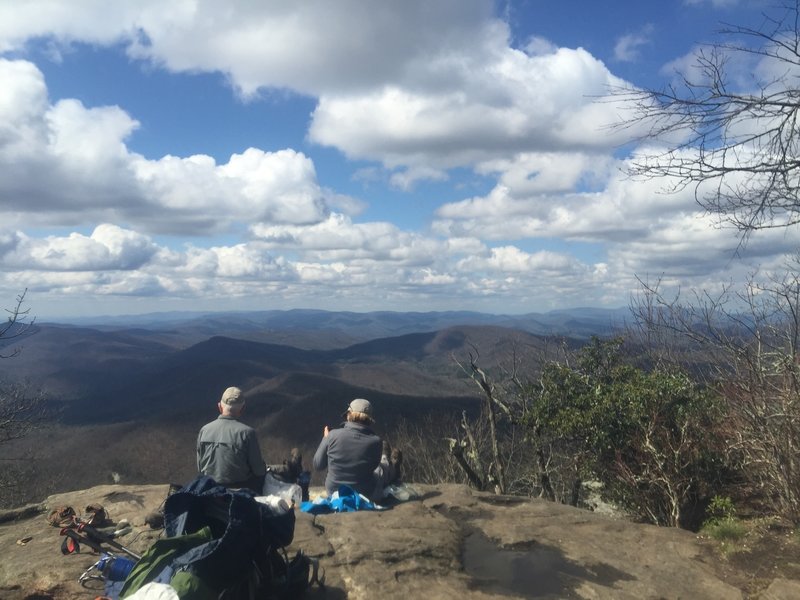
x,y
126,396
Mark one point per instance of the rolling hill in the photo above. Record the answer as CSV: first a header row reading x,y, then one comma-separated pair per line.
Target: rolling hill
x,y
129,400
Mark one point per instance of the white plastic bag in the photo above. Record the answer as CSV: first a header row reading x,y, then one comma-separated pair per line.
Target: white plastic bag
x,y
155,591
290,492
276,504
401,492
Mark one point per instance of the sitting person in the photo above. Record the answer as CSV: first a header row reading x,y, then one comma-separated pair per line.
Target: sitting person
x,y
355,456
228,450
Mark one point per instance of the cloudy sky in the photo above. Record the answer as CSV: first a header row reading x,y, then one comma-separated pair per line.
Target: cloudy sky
x,y
348,154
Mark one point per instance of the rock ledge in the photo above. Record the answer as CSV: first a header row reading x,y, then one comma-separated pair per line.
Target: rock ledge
x,y
452,543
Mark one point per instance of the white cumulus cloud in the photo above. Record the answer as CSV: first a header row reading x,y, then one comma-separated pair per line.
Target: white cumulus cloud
x,y
108,248
65,163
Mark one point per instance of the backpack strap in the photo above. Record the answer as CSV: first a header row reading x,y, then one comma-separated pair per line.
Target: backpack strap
x,y
315,573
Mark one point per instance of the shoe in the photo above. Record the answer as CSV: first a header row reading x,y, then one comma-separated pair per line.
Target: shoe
x,y
294,464
290,470
155,520
396,462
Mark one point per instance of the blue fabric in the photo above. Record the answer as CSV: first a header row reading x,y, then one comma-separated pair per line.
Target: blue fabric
x,y
348,501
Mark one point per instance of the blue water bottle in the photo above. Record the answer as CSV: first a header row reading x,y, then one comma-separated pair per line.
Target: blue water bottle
x,y
116,568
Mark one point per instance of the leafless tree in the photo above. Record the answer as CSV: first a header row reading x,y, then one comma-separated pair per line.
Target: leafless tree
x,y
495,472
426,458
736,145
21,408
498,449
16,325
18,409
747,343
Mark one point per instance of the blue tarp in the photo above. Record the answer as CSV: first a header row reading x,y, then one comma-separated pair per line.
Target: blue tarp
x,y
346,500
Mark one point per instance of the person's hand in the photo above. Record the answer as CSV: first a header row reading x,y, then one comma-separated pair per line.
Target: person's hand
x,y
326,431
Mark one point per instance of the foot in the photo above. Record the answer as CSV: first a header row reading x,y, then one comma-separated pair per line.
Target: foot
x,y
155,520
280,472
295,464
396,462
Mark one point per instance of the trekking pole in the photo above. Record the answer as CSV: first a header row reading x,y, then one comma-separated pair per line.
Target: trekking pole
x,y
103,538
73,540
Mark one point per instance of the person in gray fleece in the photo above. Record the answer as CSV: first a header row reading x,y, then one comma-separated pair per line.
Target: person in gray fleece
x,y
354,455
228,450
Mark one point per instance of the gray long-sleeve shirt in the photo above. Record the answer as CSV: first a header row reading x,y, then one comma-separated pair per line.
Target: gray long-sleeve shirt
x,y
228,452
351,455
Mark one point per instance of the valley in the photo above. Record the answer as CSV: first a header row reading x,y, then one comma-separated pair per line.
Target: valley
x,y
125,400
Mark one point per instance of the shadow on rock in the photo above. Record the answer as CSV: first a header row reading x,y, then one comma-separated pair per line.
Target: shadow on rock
x,y
115,497
500,500
428,495
533,570
327,592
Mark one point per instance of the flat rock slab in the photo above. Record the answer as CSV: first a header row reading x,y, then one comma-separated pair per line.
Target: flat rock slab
x,y
452,543
39,567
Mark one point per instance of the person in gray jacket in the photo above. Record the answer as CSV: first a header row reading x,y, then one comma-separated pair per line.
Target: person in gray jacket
x,y
354,455
228,450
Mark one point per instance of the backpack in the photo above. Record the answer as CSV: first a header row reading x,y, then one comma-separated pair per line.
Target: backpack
x,y
222,543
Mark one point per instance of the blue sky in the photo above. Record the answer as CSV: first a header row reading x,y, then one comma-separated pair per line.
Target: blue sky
x,y
346,155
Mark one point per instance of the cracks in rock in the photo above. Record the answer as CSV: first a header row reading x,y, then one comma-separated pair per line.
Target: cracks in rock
x,y
115,497
23,512
318,527
502,500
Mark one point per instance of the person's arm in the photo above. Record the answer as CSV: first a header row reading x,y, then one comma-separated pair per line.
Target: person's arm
x,y
321,455
254,457
199,436
375,453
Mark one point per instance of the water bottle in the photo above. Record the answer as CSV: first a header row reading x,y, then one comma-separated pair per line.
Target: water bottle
x,y
116,568
304,480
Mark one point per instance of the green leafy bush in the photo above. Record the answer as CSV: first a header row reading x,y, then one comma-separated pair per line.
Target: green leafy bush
x,y
649,437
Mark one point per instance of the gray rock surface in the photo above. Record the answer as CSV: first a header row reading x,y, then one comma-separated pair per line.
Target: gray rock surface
x,y
782,589
452,543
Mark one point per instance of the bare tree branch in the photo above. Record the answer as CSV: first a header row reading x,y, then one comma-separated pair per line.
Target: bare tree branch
x,y
16,325
738,149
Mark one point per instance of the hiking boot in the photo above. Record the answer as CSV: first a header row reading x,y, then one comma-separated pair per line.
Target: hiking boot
x,y
290,470
304,480
280,472
396,462
95,515
294,464
62,516
154,520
